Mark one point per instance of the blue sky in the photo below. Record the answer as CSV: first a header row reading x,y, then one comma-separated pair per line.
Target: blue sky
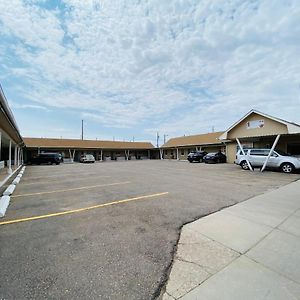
x,y
131,68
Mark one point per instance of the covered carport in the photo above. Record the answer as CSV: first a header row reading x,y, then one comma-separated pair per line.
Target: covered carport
x,y
11,142
72,149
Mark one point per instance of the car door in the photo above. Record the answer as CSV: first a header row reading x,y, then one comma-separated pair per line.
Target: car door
x,y
257,157
273,160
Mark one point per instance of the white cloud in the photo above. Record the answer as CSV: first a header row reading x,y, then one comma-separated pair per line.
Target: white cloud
x,y
121,63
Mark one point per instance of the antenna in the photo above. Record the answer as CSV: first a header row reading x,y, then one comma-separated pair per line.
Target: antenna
x,y
81,129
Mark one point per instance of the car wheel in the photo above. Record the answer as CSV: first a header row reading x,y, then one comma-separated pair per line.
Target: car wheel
x,y
244,165
200,160
287,168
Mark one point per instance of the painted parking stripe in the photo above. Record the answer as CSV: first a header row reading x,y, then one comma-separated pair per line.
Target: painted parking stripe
x,y
57,175
73,189
39,182
82,209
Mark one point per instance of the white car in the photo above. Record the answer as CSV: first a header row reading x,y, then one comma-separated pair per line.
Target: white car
x,y
278,160
87,158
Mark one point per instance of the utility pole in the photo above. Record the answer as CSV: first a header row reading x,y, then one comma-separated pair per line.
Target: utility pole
x,y
133,138
157,139
82,130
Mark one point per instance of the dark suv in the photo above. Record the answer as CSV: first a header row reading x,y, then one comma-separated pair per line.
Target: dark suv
x,y
196,156
46,158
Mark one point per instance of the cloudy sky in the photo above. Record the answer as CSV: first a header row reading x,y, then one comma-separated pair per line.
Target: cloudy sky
x,y
134,67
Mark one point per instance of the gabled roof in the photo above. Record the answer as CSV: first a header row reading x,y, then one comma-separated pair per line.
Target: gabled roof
x,y
84,144
291,127
194,140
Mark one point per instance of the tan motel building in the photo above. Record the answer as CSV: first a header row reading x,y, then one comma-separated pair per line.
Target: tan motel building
x,y
254,130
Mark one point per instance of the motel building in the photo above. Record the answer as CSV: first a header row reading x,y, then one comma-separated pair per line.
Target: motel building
x,y
72,149
254,130
11,142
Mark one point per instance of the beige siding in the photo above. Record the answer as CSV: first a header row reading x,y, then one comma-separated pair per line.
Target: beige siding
x,y
231,152
270,128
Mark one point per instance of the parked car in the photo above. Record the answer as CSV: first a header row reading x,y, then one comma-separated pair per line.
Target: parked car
x,y
61,157
278,160
214,158
45,158
87,158
196,156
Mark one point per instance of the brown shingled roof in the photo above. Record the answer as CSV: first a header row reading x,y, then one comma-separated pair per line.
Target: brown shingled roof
x,y
84,144
194,140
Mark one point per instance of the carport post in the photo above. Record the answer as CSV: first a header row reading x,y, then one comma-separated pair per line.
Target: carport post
x,y
70,155
9,158
270,153
248,163
161,152
19,157
15,156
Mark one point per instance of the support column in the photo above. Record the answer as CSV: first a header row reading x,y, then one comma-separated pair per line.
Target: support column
x,y
101,155
73,155
177,154
70,156
9,158
18,151
21,157
248,163
149,154
161,153
270,153
15,155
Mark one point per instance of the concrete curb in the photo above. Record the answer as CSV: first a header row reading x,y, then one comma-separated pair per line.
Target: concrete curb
x,y
5,199
4,202
10,189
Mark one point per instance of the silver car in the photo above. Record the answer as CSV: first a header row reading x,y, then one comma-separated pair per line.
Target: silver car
x,y
278,160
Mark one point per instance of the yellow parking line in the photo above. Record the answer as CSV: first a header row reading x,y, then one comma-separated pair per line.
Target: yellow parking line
x,y
82,209
68,190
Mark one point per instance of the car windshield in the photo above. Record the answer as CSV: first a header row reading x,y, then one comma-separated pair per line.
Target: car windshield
x,y
281,153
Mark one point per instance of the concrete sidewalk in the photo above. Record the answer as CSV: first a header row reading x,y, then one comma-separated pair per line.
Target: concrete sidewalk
x,y
249,251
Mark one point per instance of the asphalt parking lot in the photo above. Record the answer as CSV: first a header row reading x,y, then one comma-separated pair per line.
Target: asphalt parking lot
x,y
108,230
